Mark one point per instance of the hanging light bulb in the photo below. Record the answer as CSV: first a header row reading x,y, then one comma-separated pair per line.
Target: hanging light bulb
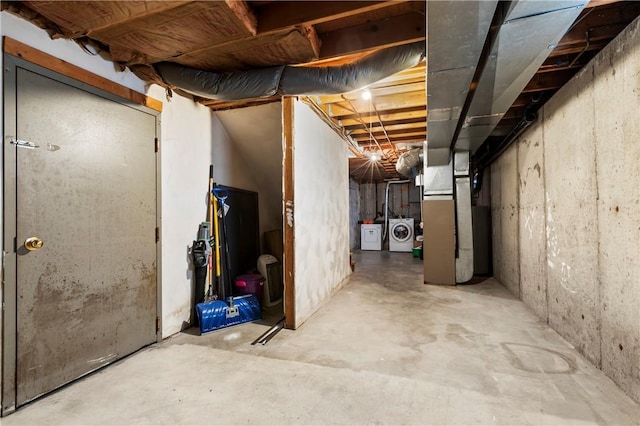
x,y
366,95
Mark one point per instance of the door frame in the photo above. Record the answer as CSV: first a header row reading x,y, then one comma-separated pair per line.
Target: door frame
x,y
288,210
17,55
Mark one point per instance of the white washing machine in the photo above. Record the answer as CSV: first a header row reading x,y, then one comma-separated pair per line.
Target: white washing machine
x,y
371,237
401,234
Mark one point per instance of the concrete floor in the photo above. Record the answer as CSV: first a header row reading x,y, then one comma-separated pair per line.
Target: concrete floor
x,y
385,350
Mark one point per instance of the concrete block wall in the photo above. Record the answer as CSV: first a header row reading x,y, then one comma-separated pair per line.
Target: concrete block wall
x,y
566,212
404,199
504,217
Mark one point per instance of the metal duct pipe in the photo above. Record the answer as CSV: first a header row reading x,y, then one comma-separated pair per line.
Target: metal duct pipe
x,y
464,228
386,206
452,64
292,80
523,42
408,161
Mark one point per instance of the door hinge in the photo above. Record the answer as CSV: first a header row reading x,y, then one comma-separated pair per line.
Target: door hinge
x,y
156,142
157,324
157,234
4,257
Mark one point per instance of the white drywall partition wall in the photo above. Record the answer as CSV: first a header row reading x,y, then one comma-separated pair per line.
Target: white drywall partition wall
x,y
574,234
321,214
186,155
191,139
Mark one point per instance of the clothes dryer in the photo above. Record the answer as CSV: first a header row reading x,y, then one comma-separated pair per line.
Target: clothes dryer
x,y
370,237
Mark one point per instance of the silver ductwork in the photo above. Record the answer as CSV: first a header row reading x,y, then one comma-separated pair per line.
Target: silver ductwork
x,y
464,228
292,80
437,180
528,31
409,161
456,34
453,181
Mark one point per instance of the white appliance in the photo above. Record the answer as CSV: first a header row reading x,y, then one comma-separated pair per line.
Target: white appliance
x,y
371,237
401,234
271,270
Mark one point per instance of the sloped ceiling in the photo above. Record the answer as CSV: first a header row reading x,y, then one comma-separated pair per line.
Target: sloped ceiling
x,y
257,133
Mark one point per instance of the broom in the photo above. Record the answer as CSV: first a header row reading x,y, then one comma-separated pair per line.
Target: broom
x,y
210,213
217,314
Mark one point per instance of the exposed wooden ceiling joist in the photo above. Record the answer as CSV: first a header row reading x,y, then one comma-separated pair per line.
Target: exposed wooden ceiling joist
x,y
282,14
376,129
548,81
238,35
385,33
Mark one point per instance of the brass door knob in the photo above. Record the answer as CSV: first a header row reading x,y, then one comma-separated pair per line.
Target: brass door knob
x,y
33,243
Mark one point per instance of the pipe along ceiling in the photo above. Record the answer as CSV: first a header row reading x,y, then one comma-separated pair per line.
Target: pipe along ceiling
x,y
292,80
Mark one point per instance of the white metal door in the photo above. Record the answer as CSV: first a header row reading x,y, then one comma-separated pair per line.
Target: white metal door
x,y
370,238
88,192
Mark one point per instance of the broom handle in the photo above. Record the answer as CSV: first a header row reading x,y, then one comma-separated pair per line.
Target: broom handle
x,y
217,234
210,214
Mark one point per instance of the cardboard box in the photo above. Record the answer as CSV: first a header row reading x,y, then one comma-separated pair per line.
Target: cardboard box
x,y
438,217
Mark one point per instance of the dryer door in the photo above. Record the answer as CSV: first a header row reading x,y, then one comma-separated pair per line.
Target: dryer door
x,y
401,232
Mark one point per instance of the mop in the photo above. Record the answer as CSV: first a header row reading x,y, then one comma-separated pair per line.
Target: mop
x,y
229,311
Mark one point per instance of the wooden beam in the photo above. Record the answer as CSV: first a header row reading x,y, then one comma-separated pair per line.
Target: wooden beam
x,y
384,104
314,40
598,3
522,100
391,130
404,140
385,116
417,138
76,20
595,34
288,208
569,61
244,14
397,89
320,112
577,48
408,122
549,80
223,106
420,134
602,23
388,32
28,53
282,14
419,112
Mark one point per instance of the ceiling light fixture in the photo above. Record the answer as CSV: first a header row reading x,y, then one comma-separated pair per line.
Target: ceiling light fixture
x,y
374,157
366,95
